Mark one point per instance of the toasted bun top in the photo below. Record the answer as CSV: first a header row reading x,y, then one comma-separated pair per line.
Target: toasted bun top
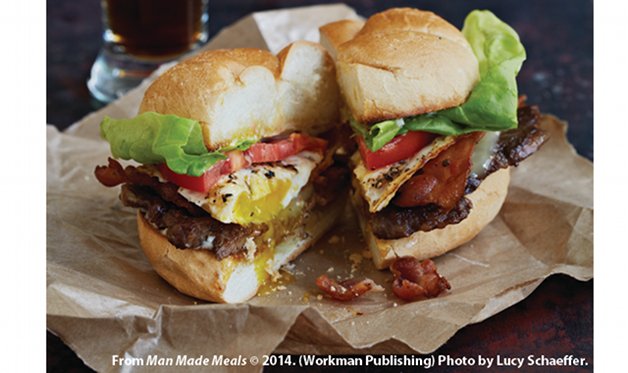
x,y
248,93
402,62
339,32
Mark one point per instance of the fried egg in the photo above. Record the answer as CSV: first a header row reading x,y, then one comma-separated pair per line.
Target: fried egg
x,y
259,193
379,186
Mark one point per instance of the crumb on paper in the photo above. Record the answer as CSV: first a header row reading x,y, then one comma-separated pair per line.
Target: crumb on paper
x,y
306,297
274,274
395,304
375,286
330,269
319,297
356,260
354,312
298,273
334,239
289,267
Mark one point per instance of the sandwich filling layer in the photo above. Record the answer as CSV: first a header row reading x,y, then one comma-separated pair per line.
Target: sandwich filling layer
x,y
510,148
188,226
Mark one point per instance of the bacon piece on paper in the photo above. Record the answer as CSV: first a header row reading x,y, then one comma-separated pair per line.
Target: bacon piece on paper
x,y
415,280
345,290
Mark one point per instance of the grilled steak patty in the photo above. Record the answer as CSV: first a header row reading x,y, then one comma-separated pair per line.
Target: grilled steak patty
x,y
184,230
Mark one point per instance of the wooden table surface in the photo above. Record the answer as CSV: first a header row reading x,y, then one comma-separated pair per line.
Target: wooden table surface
x,y
557,318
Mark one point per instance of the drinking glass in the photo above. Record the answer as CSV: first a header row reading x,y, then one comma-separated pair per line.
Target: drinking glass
x,y
140,35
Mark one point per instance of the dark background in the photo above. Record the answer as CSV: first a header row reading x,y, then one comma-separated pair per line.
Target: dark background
x,y
557,318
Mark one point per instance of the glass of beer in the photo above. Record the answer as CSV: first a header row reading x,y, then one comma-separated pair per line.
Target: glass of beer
x,y
140,35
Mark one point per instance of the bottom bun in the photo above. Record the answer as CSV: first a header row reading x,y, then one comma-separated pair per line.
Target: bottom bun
x,y
236,278
487,201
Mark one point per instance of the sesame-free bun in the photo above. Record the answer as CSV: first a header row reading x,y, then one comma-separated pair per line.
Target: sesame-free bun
x,y
487,200
240,94
336,33
401,62
236,278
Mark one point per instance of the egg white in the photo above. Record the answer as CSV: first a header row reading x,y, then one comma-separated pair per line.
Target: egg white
x,y
258,193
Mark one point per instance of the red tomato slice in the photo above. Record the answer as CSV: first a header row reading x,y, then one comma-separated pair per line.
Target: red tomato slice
x,y
304,142
196,183
281,149
257,153
401,147
235,161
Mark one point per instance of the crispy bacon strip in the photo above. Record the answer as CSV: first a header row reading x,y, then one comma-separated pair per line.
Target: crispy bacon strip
x,y
415,280
111,175
345,290
521,101
443,179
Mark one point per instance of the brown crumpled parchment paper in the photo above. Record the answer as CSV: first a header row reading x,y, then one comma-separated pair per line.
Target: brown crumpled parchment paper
x,y
104,299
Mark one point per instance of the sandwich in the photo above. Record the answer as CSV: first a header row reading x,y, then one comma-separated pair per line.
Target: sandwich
x,y
438,122
234,168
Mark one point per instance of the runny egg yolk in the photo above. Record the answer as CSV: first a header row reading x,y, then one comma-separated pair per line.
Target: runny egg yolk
x,y
264,202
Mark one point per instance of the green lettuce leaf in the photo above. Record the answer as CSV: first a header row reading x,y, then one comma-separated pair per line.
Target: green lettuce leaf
x,y
378,135
491,106
152,138
241,146
435,123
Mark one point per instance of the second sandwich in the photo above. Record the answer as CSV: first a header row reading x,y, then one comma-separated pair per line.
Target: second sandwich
x,y
438,121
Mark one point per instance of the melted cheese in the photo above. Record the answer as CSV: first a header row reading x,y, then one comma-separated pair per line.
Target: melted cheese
x,y
483,153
